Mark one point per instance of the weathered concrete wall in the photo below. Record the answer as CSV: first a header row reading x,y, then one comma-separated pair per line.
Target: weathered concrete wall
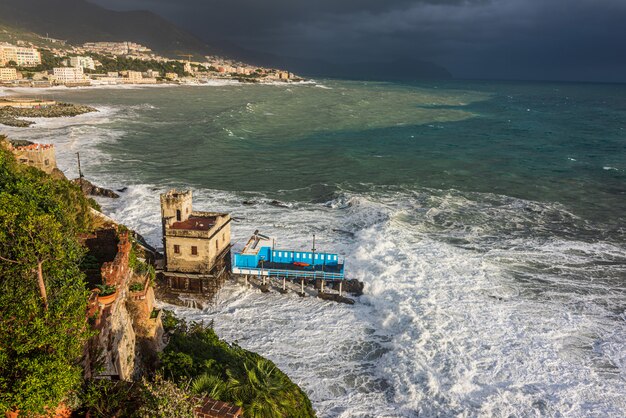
x,y
208,249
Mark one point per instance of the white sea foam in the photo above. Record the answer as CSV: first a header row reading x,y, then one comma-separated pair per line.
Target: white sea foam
x,y
472,306
441,330
20,91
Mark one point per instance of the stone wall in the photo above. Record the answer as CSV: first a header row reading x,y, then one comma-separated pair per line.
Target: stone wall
x,y
147,325
117,338
117,272
40,156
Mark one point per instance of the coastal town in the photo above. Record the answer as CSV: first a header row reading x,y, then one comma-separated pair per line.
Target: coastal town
x,y
54,62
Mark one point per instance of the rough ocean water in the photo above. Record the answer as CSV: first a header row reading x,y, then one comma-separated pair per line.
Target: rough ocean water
x,y
486,220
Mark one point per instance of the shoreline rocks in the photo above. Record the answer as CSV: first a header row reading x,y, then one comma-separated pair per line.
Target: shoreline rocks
x,y
10,115
90,189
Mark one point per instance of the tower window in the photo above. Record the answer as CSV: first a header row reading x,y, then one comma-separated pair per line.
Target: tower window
x,y
194,250
176,249
178,215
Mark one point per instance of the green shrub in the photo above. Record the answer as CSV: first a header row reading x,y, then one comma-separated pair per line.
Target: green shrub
x,y
103,398
162,398
94,204
169,321
135,287
229,373
89,262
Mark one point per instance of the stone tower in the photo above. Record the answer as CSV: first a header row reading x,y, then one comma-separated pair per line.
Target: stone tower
x,y
175,206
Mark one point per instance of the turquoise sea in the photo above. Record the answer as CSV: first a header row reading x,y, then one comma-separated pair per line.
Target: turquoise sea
x,y
487,220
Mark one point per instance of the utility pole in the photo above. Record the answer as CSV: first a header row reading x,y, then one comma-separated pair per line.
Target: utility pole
x,y
80,173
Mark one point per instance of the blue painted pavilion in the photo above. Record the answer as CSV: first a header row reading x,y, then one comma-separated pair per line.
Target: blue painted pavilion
x,y
259,258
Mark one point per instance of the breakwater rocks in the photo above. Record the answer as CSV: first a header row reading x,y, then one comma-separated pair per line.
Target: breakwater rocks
x,y
90,189
10,115
353,286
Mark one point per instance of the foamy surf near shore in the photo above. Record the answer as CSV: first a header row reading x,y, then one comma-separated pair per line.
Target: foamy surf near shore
x,y
476,303
21,91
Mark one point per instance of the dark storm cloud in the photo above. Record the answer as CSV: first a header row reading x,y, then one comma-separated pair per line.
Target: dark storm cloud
x,y
525,39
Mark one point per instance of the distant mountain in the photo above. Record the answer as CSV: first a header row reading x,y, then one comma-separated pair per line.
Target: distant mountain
x,y
411,69
79,21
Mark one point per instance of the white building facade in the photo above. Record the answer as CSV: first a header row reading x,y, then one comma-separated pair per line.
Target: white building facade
x,y
69,74
83,62
8,74
23,57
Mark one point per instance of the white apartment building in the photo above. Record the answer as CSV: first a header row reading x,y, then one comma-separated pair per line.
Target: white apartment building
x,y
8,74
23,57
83,62
69,74
134,77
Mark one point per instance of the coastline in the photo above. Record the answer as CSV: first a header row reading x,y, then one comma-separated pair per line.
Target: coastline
x,y
30,120
443,282
16,116
14,90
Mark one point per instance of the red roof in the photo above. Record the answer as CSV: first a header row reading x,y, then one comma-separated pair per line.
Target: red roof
x,y
196,223
210,408
34,147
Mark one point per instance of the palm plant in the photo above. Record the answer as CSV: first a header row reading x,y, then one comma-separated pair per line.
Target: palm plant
x,y
256,390
211,385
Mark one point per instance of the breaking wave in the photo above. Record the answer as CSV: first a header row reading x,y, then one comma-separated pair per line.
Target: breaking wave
x,y
475,304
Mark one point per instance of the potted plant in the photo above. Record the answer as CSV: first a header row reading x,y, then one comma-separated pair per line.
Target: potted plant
x,y
107,294
135,287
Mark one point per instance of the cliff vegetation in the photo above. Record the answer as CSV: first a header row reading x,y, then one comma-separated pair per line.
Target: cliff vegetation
x,y
45,329
42,292
229,373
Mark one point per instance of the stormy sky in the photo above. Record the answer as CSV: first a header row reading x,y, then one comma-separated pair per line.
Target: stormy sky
x,y
489,39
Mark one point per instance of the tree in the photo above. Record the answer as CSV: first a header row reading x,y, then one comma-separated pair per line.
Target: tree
x,y
34,238
43,298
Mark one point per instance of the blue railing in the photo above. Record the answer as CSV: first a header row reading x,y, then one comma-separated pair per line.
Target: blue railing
x,y
289,274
